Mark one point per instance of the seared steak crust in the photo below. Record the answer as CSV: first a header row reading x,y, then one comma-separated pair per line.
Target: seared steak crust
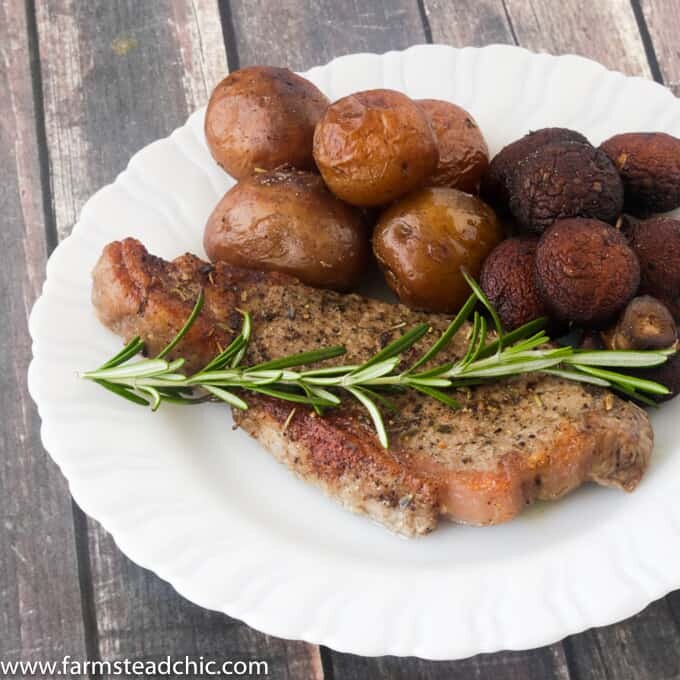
x,y
527,438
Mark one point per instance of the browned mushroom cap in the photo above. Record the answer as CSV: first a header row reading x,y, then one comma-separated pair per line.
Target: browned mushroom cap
x,y
645,323
508,281
649,164
565,179
585,270
656,242
494,189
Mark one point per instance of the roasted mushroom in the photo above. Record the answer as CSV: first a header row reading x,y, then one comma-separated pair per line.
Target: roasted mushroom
x,y
585,271
564,179
424,240
508,281
463,154
649,164
495,187
372,147
656,242
263,117
286,220
645,323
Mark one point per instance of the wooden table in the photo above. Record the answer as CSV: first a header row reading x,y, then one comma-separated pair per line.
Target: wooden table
x,y
85,84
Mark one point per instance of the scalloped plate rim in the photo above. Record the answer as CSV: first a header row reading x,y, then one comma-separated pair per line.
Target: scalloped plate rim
x,y
259,618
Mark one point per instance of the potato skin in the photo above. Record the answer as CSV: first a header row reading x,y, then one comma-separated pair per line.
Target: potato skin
x,y
649,164
508,281
656,242
585,271
287,221
564,179
463,153
374,146
422,241
263,117
495,183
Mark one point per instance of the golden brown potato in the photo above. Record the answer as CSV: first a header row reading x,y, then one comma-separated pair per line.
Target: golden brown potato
x,y
263,117
463,153
423,241
286,220
374,146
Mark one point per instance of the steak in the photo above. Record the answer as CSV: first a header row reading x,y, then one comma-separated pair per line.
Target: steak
x,y
512,442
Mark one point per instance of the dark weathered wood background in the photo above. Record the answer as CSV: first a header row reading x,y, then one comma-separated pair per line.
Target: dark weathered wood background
x,y
85,84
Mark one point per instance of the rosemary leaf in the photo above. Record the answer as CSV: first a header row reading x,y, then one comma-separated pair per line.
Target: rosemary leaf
x,y
373,411
223,358
381,399
481,296
397,346
228,397
633,394
518,334
154,394
619,359
438,395
122,392
447,335
302,358
246,330
295,397
428,382
617,379
185,328
139,369
376,370
577,377
131,349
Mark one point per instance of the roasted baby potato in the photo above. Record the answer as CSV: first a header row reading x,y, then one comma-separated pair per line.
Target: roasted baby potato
x,y
463,153
424,240
286,220
374,146
263,117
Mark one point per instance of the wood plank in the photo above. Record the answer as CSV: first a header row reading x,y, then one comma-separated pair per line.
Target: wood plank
x,y
606,31
468,22
660,23
117,76
301,34
40,612
645,647
547,663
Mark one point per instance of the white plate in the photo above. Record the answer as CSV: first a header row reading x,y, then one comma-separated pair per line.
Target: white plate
x,y
210,511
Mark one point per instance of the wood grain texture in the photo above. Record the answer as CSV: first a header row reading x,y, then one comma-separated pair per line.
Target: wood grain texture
x,y
117,76
662,20
645,647
40,613
547,663
300,34
468,22
606,31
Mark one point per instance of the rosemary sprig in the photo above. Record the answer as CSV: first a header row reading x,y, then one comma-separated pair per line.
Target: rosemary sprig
x,y
152,381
